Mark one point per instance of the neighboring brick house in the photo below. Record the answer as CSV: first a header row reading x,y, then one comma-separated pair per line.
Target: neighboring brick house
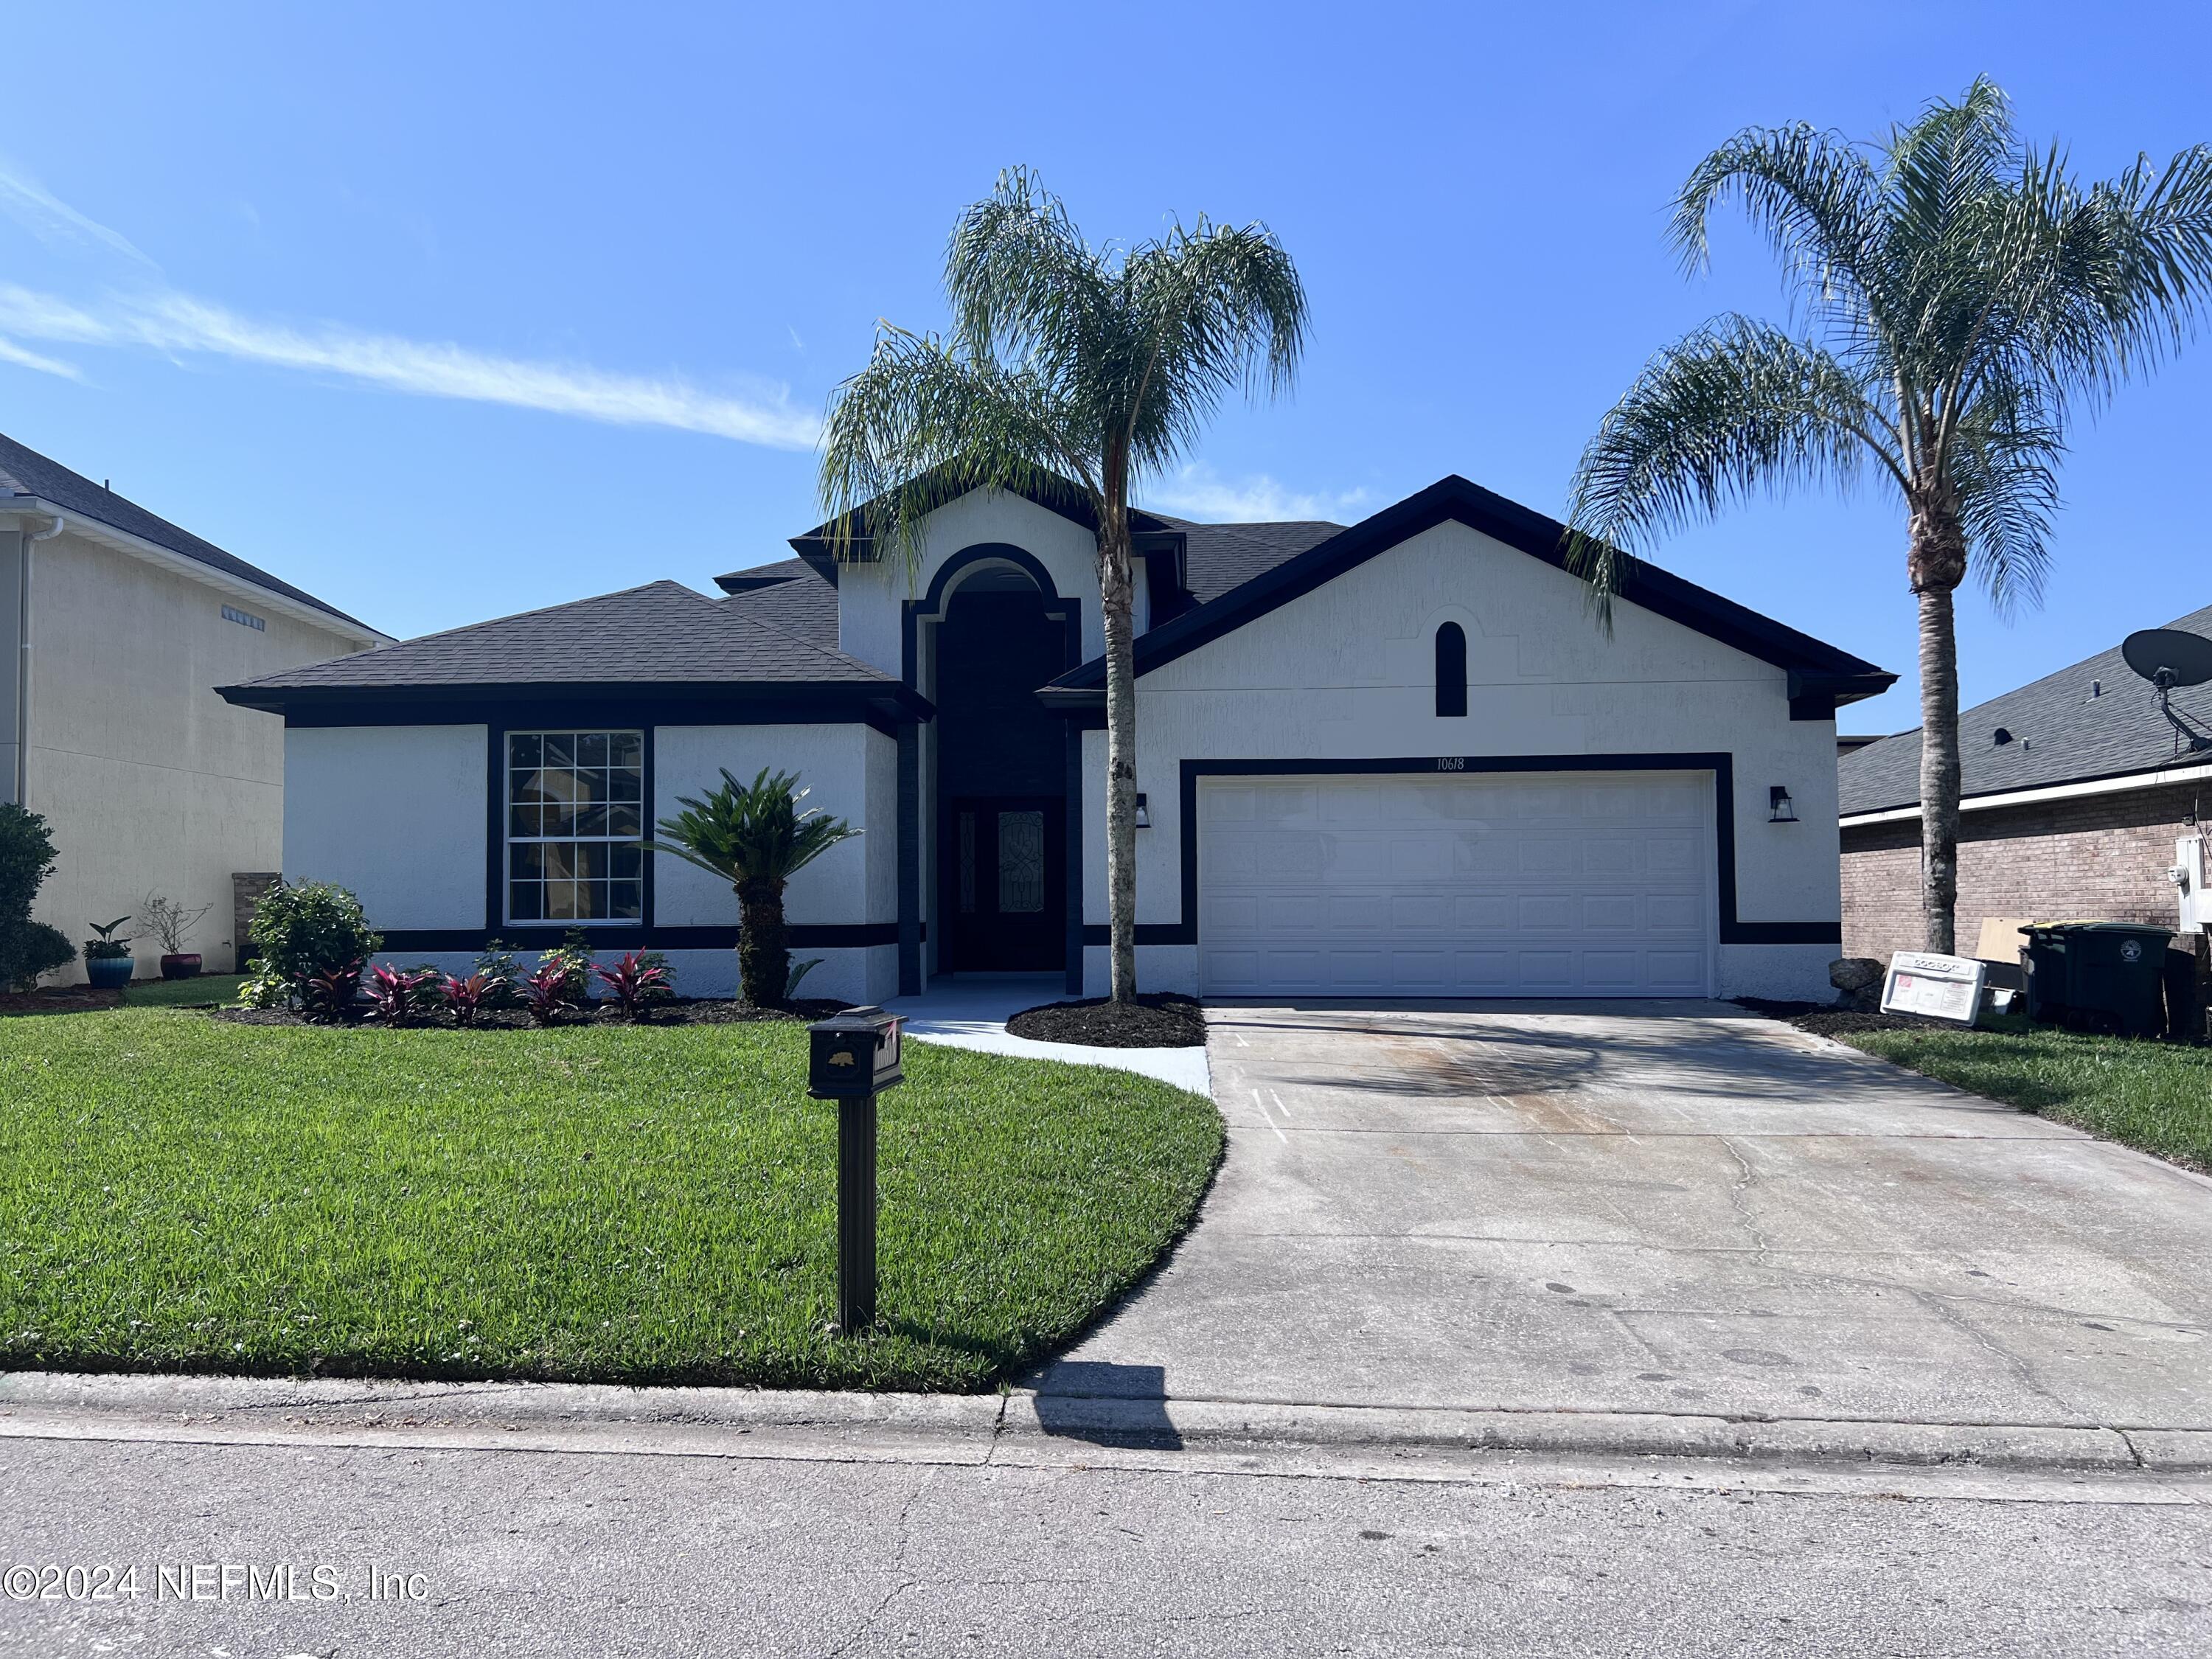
x,y
2076,790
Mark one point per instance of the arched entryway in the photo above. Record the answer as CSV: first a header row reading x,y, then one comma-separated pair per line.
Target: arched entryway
x,y
999,766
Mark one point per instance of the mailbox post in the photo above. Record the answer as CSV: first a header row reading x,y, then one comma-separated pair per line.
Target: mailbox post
x,y
850,1057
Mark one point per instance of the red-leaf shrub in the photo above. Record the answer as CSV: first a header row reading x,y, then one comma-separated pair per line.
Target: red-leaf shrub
x,y
330,992
549,992
396,995
639,980
469,997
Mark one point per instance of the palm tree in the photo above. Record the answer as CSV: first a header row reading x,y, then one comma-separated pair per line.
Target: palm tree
x,y
755,837
1069,365
1961,295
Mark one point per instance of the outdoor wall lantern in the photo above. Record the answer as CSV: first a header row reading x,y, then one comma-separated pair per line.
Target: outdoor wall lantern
x,y
1780,809
1143,818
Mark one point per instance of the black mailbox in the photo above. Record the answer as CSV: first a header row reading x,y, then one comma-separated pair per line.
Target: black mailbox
x,y
852,1053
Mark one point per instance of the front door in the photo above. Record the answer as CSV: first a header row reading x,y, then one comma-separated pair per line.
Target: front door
x,y
1005,884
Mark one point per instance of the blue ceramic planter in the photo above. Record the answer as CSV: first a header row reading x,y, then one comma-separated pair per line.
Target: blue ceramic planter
x,y
107,973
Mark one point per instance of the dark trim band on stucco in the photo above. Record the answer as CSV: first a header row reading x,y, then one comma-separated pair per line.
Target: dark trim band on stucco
x,y
619,936
1825,669
884,706
1721,765
647,935
1067,608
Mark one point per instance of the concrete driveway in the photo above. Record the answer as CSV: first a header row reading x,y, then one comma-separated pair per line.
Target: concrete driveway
x,y
1657,1208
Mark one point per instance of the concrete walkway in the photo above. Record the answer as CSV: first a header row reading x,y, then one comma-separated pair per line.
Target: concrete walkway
x,y
972,1013
1658,1211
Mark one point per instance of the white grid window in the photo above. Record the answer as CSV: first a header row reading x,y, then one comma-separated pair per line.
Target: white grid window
x,y
575,810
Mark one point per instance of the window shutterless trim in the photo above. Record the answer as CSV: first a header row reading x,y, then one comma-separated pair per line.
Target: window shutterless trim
x,y
511,840
495,802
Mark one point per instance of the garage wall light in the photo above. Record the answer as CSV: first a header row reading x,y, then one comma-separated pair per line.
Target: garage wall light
x,y
1143,818
1779,807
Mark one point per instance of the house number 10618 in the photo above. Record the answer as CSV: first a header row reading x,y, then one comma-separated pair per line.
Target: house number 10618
x,y
1451,763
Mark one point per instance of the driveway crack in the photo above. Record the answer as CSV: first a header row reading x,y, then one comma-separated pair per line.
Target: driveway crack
x,y
1740,1199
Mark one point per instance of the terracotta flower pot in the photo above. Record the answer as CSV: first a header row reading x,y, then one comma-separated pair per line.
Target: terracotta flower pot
x,y
183,964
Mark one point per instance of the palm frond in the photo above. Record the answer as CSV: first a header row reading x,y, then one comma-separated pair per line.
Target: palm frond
x,y
1021,279
1213,308
925,421
1735,409
1813,194
745,833
2003,472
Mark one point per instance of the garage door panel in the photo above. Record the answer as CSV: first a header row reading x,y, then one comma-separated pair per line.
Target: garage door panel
x,y
1487,913
1545,913
1596,885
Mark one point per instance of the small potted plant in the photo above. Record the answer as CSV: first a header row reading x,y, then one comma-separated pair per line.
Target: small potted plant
x,y
107,958
172,924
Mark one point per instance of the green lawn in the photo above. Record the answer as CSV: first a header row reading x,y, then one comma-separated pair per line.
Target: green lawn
x,y
608,1203
219,988
2154,1095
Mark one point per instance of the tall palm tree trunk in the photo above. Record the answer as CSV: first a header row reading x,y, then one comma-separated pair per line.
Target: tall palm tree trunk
x,y
1116,585
1938,564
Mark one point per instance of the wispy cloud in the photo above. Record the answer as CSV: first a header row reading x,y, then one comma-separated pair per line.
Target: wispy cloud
x,y
1202,493
179,324
12,353
160,318
32,205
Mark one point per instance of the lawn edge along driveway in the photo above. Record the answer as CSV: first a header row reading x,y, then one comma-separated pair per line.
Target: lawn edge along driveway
x,y
2153,1096
597,1203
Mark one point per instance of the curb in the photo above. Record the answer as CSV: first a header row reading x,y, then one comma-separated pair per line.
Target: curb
x,y
974,1428
1611,1434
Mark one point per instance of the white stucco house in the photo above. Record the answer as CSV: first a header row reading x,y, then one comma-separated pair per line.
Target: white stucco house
x,y
118,624
1398,758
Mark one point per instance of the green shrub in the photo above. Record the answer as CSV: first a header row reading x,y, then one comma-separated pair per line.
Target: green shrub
x,y
27,858
28,949
311,928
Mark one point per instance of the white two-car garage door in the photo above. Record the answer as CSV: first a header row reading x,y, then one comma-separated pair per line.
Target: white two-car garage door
x,y
1559,884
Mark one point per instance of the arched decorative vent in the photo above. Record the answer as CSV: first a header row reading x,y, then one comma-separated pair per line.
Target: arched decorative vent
x,y
1451,670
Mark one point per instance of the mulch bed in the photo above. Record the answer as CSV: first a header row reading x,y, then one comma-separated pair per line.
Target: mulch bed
x,y
1160,1021
679,1010
1826,1019
68,999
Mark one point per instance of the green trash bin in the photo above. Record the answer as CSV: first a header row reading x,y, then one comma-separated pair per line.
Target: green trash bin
x,y
2097,976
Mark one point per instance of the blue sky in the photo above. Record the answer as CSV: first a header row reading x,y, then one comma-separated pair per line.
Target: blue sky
x,y
448,312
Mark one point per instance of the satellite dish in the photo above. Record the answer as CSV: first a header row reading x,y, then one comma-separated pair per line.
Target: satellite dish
x,y
2168,657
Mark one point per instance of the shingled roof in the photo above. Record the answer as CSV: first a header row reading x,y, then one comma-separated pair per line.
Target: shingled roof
x,y
660,636
2095,720
27,475
791,594
1220,557
786,594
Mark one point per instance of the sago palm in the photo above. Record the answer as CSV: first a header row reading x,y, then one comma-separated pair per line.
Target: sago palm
x,y
1095,366
1960,295
755,836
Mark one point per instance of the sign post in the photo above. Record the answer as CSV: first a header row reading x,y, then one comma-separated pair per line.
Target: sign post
x,y
851,1057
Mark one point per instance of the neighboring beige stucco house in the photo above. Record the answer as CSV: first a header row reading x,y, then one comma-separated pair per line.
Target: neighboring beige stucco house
x,y
119,626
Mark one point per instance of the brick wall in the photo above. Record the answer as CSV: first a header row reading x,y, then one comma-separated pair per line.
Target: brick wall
x,y
2102,858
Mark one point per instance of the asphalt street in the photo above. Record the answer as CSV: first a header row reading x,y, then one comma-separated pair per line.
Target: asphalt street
x,y
498,1552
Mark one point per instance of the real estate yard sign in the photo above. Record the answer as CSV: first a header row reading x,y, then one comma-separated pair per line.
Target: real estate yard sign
x,y
1937,987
